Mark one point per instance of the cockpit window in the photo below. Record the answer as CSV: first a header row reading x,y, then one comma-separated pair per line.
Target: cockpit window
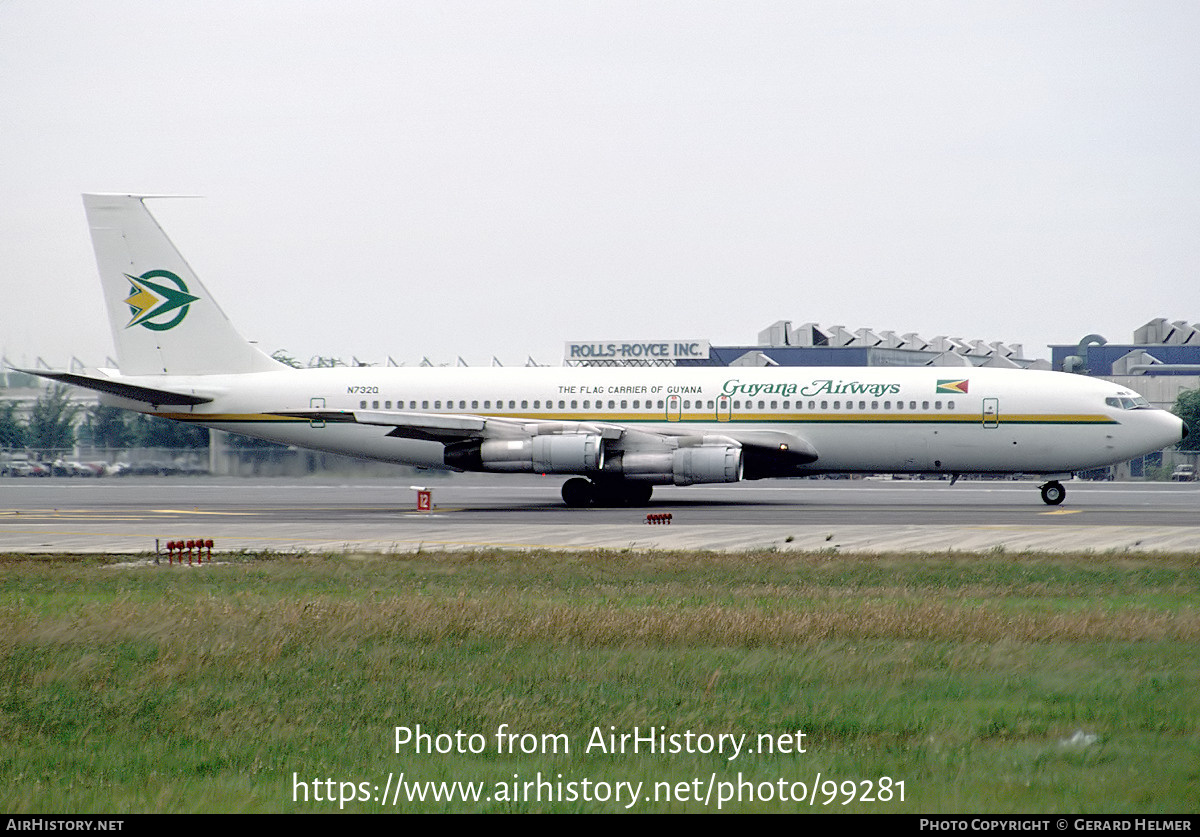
x,y
1126,402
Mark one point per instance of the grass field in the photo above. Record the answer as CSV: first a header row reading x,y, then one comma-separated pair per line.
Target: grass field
x,y
963,683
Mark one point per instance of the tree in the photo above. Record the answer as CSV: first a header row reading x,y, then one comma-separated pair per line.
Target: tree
x,y
1187,407
52,420
12,432
110,427
154,432
283,357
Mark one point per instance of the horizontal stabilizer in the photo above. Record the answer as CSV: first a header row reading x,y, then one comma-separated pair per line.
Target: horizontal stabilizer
x,y
134,392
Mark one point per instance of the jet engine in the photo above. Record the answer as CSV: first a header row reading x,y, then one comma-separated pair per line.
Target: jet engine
x,y
681,466
564,454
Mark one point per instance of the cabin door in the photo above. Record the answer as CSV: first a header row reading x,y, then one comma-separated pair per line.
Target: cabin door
x,y
674,407
991,412
724,408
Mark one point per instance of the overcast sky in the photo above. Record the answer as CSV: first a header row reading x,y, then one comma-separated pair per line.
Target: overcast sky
x,y
495,178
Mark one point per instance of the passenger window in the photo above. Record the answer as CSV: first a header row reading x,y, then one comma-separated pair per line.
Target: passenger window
x,y
374,405
524,405
424,405
574,404
950,405
474,405
362,405
924,405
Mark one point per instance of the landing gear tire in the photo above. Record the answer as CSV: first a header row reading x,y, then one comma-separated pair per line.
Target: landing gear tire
x,y
622,494
638,493
578,493
1053,493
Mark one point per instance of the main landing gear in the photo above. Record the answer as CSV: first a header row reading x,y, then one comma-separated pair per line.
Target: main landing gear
x,y
1053,493
579,492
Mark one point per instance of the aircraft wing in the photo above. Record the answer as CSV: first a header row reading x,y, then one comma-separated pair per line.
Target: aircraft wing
x,y
438,427
134,392
767,453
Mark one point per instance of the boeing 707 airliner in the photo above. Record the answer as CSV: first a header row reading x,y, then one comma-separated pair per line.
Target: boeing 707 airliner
x,y
617,432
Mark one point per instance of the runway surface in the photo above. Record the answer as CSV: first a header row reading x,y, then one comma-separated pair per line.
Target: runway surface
x,y
472,511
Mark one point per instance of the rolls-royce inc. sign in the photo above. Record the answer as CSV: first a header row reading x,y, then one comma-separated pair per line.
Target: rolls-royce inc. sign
x,y
638,350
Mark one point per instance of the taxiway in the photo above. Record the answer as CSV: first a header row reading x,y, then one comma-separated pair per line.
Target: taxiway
x,y
480,511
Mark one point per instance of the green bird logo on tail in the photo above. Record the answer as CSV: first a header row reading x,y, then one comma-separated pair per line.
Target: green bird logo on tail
x,y
151,300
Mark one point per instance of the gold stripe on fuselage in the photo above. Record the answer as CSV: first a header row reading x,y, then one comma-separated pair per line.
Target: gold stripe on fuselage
x,y
700,418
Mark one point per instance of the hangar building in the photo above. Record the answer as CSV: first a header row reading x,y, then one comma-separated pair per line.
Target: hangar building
x,y
807,345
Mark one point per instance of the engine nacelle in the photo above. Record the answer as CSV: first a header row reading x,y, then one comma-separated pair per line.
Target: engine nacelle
x,y
684,466
565,454
708,463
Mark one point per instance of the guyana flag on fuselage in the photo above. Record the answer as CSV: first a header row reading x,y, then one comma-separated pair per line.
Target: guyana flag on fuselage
x,y
959,387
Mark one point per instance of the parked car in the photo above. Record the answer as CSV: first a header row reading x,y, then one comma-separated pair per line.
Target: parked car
x,y
1184,473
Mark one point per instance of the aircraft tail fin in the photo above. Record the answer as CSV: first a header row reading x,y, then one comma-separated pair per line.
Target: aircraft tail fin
x,y
164,321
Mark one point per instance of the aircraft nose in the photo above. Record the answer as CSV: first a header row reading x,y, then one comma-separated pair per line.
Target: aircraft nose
x,y
1166,428
1178,428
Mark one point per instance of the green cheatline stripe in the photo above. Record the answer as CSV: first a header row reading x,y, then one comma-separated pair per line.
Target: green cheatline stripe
x,y
852,418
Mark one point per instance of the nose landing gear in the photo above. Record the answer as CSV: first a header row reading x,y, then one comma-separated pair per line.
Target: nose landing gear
x,y
1053,493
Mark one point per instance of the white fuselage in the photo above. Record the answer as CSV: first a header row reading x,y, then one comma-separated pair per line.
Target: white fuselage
x,y
876,419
